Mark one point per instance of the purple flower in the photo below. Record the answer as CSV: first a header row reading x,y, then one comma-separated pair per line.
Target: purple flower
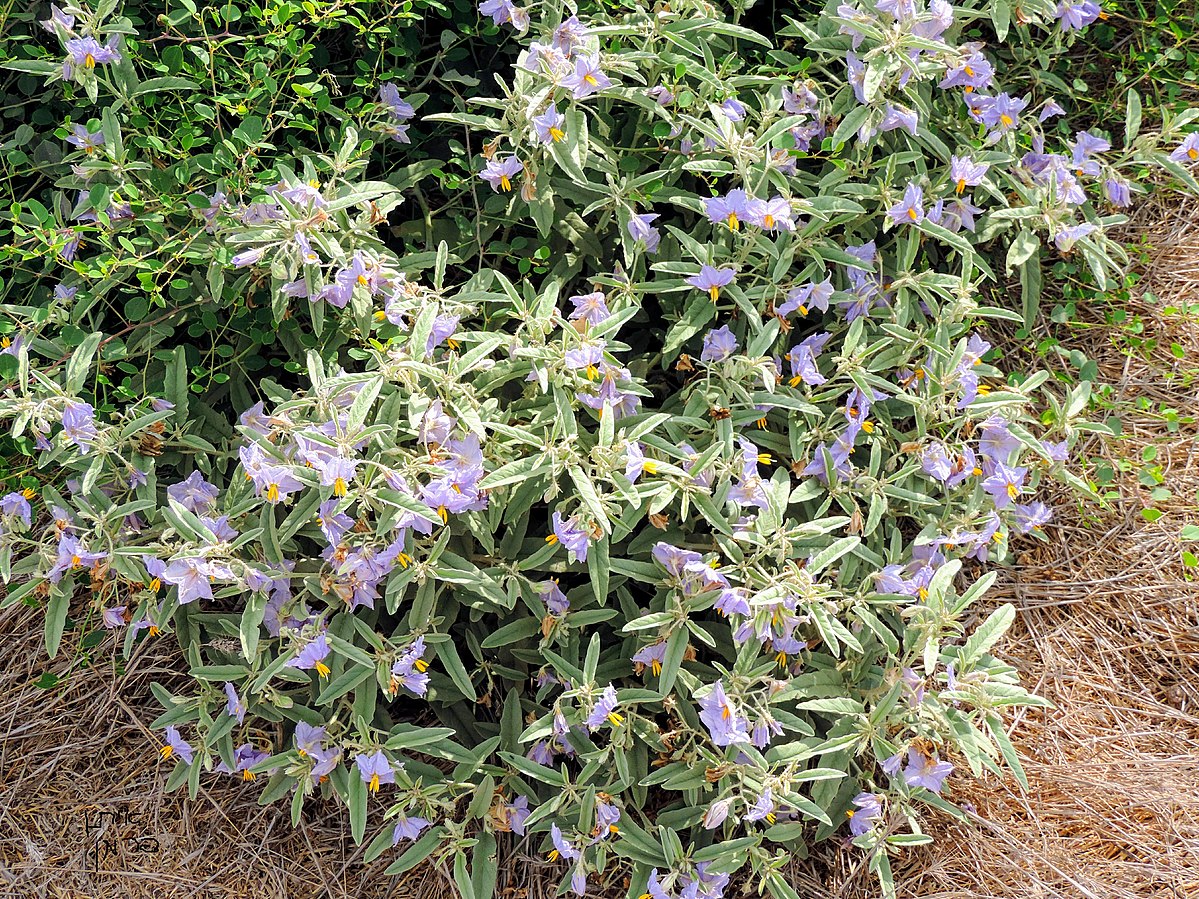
x,y
730,209
910,210
248,257
569,534
59,23
400,109
763,809
1005,484
176,745
605,710
86,53
869,808
1188,150
771,215
313,655
234,707
114,617
195,494
17,505
896,117
1073,15
555,600
85,140
409,669
194,577
719,344
712,279
1065,238
244,759
716,814
548,125
500,172
587,78
926,771
641,229
274,483
650,657
1117,192
499,10
408,828
516,813
1031,517
807,296
309,738
592,307
803,360
965,172
718,714
562,849
79,424
661,95
733,109
375,769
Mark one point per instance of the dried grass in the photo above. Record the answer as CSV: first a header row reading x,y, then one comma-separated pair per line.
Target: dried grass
x,y
1108,631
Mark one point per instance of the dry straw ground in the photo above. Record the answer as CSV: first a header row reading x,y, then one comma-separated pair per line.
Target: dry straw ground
x,y
1108,630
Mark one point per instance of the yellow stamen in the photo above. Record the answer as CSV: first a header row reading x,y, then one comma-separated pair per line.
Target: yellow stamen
x,y
339,487
615,719
451,343
770,818
1193,153
153,630
781,658
726,713
651,467
322,669
247,775
553,855
762,423
76,561
155,585
28,493
552,538
380,315
1006,119
768,220
868,427
922,592
556,134
977,471
984,389
794,382
441,513
734,225
590,79
912,214
961,186
592,372
714,292
1013,491
404,559
766,458
167,751
655,666
374,784
314,184
272,493
505,184
968,70
363,281
89,62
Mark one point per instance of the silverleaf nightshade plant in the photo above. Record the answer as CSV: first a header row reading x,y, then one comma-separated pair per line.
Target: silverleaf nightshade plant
x,y
660,558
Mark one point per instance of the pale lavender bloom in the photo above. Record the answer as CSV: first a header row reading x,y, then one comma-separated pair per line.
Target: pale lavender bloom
x,y
444,328
234,707
1005,484
59,23
274,483
563,848
661,95
910,210
900,10
309,738
587,78
1032,516
401,109
555,600
856,73
176,745
570,34
712,279
605,710
517,813
570,535
896,117
408,828
771,215
606,816
869,808
499,10
195,494
800,100
763,809
716,814
86,53
114,617
730,209
592,307
725,726
221,530
313,655
733,109
79,424
85,140
1073,15
926,771
1002,114
973,72
732,601
1188,150
194,577
1065,238
651,657
803,360
941,18
500,172
548,125
765,729
409,669
807,296
375,769
1050,110
635,462
719,344
16,505
965,172
1117,191
641,229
